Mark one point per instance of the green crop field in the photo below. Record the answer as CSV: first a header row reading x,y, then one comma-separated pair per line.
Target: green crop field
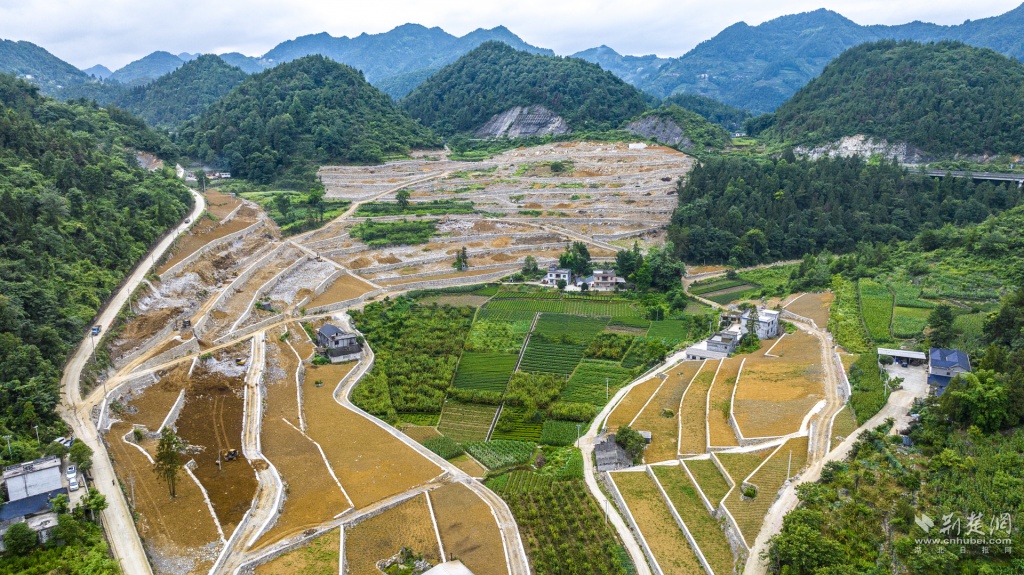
x,y
908,295
466,422
501,453
587,383
561,433
559,326
484,371
723,298
909,321
876,308
633,325
564,530
504,315
709,478
673,331
518,424
559,359
575,306
708,286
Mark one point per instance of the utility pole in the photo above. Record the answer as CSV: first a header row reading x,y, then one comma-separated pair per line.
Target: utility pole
x,y
607,395
789,468
39,443
8,438
131,480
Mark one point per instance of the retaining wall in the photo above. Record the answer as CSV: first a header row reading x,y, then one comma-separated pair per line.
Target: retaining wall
x,y
679,521
172,415
147,345
139,382
267,286
470,253
189,347
609,483
178,267
444,272
621,235
321,288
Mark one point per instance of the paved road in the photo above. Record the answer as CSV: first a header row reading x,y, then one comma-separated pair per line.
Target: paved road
x,y
117,519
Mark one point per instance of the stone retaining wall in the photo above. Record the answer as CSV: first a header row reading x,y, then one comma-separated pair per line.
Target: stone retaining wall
x,y
267,286
679,521
621,235
172,416
147,345
200,326
136,383
188,348
621,503
178,267
470,253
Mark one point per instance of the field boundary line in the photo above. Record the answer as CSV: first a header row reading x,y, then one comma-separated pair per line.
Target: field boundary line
x,y
707,410
433,519
341,549
327,463
649,399
174,411
679,410
732,403
617,496
300,374
700,490
792,301
679,521
769,351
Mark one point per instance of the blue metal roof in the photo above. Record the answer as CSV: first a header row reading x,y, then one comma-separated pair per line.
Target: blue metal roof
x,y
939,382
29,505
947,358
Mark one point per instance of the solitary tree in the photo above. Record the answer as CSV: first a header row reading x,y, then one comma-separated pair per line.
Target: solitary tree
x,y
530,267
315,201
403,199
283,203
940,320
81,455
168,462
94,501
461,259
631,440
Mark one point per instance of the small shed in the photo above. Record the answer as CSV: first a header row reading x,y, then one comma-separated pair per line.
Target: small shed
x,y
912,357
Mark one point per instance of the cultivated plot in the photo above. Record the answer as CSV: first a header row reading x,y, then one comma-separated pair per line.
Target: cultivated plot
x,y
706,530
630,405
768,480
813,306
318,557
466,422
693,438
664,537
774,394
371,463
709,479
721,433
380,537
660,416
469,530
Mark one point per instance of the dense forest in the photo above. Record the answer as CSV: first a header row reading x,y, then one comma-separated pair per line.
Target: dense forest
x,y
748,211
942,98
76,214
184,93
279,124
495,77
962,471
729,117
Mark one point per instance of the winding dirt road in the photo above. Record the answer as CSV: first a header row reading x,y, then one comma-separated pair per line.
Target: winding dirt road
x,y
117,519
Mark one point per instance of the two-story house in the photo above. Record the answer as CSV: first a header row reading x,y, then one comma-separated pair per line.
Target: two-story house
x,y
338,345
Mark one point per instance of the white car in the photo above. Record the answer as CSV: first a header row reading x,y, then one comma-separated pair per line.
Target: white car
x,y
73,484
71,472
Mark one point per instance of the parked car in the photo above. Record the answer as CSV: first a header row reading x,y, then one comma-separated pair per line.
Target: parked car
x,y
72,472
73,484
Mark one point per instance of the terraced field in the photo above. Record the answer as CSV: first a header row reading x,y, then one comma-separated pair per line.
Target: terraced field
x,y
466,422
484,371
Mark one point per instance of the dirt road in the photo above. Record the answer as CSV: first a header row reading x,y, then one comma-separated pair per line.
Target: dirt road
x,y
117,519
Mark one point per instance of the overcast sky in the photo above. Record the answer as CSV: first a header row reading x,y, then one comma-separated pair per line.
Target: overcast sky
x,y
115,32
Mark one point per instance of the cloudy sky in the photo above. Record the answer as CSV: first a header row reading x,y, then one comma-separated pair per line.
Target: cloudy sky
x,y
115,32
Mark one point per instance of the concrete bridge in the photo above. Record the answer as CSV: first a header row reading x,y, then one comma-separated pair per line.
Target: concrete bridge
x,y
987,176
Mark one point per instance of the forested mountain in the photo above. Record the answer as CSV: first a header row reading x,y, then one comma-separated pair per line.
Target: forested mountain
x,y
76,214
410,48
147,69
33,63
729,117
99,70
942,98
748,211
759,67
495,77
636,70
184,93
279,124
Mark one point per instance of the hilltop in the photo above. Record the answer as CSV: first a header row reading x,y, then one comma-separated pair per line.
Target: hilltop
x,y
494,79
184,93
943,98
309,111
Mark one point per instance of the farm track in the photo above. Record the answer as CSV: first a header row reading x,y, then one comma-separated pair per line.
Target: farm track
x,y
119,524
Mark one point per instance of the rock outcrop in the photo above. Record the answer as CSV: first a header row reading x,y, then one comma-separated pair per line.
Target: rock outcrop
x,y
865,146
524,122
662,129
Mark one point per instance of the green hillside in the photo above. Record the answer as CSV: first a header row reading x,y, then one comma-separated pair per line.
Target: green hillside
x,y
729,117
749,211
942,98
494,77
76,214
278,124
184,93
